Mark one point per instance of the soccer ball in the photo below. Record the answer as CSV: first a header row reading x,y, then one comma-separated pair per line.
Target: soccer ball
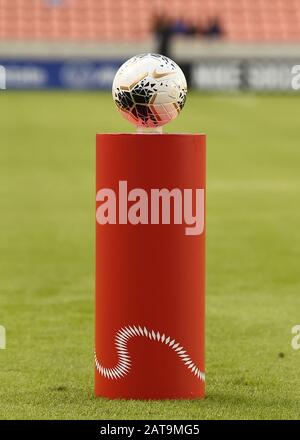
x,y
149,90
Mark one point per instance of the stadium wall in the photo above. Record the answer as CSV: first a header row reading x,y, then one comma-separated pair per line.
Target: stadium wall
x,y
92,66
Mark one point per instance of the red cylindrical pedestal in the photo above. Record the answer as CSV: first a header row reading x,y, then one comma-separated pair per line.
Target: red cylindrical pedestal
x,y
150,266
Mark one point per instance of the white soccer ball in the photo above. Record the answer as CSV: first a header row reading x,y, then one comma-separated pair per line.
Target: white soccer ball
x,y
149,90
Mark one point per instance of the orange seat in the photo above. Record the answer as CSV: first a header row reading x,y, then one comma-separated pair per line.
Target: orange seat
x,y
245,20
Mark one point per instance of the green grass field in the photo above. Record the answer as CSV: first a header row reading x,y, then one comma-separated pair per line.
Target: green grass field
x,y
47,256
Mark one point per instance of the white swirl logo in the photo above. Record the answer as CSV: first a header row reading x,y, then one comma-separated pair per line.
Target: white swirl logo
x,y
124,363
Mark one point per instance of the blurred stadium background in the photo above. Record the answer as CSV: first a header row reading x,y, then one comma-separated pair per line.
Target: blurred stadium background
x,y
60,58
78,44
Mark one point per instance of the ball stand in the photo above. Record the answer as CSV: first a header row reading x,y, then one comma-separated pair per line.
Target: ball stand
x,y
150,266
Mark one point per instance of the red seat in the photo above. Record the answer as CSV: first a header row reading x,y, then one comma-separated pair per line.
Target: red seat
x,y
246,20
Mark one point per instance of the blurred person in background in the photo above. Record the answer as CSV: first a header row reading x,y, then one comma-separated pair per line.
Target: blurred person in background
x,y
162,28
213,29
165,28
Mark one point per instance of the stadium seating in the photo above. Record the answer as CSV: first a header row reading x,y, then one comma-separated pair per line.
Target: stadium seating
x,y
98,20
